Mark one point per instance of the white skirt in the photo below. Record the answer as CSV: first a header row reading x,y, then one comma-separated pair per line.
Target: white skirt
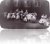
x,y
25,19
29,16
8,16
17,17
46,23
33,18
13,16
42,20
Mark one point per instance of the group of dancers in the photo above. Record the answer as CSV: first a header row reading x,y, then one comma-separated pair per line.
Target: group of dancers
x,y
26,17
42,38
44,20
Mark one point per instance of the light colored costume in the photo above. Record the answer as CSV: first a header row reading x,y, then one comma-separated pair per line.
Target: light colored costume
x,y
26,12
5,14
33,17
43,19
35,14
17,16
46,23
8,16
13,15
25,19
28,16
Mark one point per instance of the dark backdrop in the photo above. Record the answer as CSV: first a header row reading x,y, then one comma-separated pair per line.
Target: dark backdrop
x,y
11,6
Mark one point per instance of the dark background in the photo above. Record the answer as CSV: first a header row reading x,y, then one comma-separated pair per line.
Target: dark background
x,y
7,6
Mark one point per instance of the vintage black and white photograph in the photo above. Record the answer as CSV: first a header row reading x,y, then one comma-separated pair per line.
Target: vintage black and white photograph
x,y
24,21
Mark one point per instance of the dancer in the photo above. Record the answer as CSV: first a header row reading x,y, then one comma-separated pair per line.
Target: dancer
x,y
13,16
5,14
8,16
42,20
